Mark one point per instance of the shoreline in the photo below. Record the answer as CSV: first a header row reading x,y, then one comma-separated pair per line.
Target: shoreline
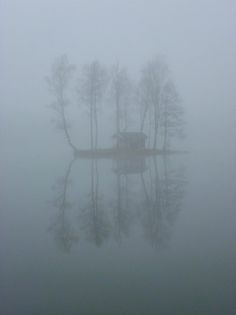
x,y
114,153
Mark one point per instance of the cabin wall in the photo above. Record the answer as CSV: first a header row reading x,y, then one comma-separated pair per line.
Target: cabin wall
x,y
130,143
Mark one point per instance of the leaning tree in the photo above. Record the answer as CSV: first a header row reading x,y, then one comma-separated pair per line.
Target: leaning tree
x,y
58,83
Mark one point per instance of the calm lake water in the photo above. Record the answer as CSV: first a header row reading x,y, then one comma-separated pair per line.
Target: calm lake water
x,y
141,236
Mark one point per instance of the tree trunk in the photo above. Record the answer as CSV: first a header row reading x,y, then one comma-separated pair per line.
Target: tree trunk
x,y
66,130
117,114
91,126
96,126
149,130
155,129
165,134
143,118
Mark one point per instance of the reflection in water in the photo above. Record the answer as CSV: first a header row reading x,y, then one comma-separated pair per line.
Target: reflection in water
x,y
163,194
121,207
61,228
94,220
153,210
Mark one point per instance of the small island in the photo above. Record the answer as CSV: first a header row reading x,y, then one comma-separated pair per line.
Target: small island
x,y
151,102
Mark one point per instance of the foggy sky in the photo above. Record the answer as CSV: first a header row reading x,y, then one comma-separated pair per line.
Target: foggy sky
x,y
197,38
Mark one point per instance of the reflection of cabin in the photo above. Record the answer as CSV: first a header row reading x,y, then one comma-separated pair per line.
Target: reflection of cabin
x,y
125,166
130,140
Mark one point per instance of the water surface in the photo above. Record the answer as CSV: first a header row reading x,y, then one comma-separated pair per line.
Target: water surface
x,y
142,236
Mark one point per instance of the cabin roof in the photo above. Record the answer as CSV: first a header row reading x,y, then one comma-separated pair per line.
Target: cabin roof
x,y
130,135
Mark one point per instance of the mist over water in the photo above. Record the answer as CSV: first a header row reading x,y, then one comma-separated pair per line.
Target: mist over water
x,y
100,230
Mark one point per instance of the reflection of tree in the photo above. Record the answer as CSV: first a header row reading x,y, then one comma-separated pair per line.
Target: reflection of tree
x,y
125,200
94,219
162,201
173,189
61,227
121,206
91,90
152,218
162,186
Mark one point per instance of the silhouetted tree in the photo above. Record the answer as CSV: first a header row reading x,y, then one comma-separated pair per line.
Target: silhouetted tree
x,y
91,88
151,92
58,83
121,96
172,115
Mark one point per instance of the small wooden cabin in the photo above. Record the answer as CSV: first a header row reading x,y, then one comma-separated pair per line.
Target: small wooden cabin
x,y
130,140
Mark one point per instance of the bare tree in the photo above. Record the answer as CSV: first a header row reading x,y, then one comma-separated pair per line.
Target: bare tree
x,y
172,114
153,80
58,83
90,91
121,95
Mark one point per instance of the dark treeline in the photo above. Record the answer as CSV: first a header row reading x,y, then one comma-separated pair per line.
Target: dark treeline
x,y
149,104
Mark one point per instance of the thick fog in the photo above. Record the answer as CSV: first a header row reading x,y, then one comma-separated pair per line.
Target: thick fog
x,y
197,38
131,210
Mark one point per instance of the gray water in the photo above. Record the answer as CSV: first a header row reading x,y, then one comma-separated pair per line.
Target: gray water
x,y
142,236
